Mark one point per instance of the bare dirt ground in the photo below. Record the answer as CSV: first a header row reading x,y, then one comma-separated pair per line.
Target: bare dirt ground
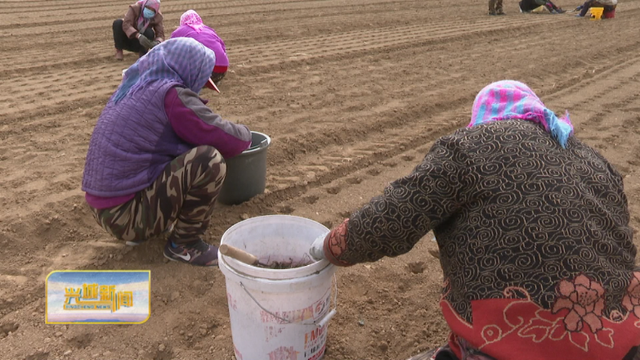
x,y
352,92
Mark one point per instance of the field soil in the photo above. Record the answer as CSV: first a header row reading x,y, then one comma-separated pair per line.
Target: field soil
x,y
353,94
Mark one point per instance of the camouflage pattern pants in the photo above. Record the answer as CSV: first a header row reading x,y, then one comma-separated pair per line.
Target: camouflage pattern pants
x,y
184,194
495,6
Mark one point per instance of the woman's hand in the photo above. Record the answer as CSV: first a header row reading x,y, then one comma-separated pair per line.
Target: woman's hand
x,y
145,42
317,248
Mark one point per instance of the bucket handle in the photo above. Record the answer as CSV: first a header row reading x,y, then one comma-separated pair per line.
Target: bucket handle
x,y
263,144
318,323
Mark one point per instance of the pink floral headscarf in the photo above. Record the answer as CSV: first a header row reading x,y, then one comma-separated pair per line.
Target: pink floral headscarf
x,y
513,100
191,18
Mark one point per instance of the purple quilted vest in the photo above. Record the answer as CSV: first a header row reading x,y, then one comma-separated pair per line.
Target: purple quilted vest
x,y
131,144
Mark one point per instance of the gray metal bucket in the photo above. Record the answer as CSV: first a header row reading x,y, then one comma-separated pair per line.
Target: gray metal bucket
x,y
247,172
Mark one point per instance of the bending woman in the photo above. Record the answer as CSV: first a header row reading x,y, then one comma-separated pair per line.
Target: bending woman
x,y
533,230
156,158
191,26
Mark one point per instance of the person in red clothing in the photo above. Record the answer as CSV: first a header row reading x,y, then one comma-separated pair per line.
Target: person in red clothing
x,y
533,231
141,29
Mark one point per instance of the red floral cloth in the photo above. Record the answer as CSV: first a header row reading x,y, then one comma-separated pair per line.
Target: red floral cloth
x,y
575,327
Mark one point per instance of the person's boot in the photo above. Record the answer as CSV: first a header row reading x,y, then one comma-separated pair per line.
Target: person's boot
x,y
119,55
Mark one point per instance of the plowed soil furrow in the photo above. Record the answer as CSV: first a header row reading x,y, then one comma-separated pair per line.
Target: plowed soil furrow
x,y
47,52
60,8
389,133
77,56
341,161
373,39
102,77
172,13
508,45
435,51
330,44
65,8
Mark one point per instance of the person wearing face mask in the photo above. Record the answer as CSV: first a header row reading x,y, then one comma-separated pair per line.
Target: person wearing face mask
x,y
191,26
140,30
156,158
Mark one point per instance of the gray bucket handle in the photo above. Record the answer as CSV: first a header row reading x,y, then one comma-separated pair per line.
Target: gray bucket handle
x,y
263,144
318,323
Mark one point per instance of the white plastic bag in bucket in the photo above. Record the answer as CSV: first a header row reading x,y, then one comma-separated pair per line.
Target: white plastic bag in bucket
x,y
278,313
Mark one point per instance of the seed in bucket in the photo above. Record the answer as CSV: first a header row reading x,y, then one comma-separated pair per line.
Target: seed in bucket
x,y
291,264
279,314
251,259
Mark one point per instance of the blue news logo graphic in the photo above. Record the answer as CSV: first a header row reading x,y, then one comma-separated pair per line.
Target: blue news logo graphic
x,y
98,297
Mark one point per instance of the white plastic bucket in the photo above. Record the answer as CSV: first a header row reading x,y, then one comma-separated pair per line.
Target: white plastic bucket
x,y
278,314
